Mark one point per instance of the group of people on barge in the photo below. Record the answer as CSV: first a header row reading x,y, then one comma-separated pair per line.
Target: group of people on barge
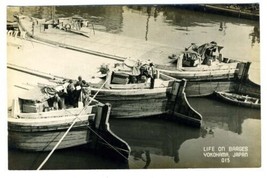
x,y
71,95
132,73
76,93
147,72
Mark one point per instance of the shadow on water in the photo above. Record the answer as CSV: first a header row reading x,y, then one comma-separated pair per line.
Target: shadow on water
x,y
158,137
154,136
80,157
155,142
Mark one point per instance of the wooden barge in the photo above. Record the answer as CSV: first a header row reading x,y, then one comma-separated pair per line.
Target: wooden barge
x,y
202,63
136,100
133,100
37,123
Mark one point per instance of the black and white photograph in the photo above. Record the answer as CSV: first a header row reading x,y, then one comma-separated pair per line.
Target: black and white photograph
x,y
133,86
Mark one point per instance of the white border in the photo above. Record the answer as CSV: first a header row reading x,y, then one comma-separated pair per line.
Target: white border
x,y
222,172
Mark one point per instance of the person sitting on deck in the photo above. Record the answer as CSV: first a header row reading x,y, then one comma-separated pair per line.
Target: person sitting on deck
x,y
143,70
133,79
58,103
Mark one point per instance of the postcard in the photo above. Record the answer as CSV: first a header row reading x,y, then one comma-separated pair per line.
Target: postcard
x,y
128,86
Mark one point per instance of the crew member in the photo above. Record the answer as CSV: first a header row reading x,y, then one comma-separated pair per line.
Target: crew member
x,y
151,73
70,93
79,82
86,92
58,104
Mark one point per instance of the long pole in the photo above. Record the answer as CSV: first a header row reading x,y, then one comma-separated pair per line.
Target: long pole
x,y
48,156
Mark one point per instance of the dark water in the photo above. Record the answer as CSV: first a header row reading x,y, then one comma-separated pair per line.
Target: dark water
x,y
158,142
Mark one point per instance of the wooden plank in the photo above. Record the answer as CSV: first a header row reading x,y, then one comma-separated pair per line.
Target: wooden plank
x,y
201,88
45,141
31,126
57,113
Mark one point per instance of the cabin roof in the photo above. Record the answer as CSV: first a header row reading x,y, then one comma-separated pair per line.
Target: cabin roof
x,y
76,17
36,94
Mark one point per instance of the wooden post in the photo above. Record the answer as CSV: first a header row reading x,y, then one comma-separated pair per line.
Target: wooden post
x,y
179,107
104,125
180,61
15,108
245,71
98,116
178,93
105,141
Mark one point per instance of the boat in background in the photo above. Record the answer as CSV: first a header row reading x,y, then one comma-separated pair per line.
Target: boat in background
x,y
202,63
246,11
39,119
239,99
207,70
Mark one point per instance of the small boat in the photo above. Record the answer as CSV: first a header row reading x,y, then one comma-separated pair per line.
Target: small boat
x,y
40,118
249,12
72,24
202,63
132,95
239,99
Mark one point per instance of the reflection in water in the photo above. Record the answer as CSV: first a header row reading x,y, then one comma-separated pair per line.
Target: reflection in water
x,y
182,17
142,155
110,18
156,13
255,35
147,21
107,18
156,142
156,137
223,27
40,12
220,115
80,157
104,18
147,11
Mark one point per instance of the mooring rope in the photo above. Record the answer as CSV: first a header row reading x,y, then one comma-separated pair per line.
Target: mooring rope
x,y
52,151
97,133
65,134
98,91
